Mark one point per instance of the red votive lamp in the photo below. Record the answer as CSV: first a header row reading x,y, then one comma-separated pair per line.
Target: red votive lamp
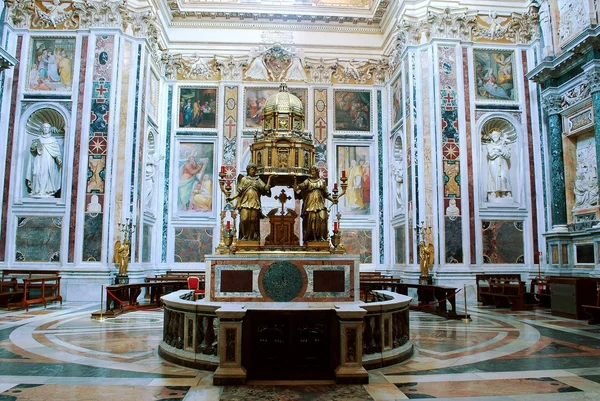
x,y
335,226
343,173
222,169
228,225
335,186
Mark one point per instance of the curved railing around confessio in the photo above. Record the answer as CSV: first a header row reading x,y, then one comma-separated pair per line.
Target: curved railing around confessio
x,y
191,331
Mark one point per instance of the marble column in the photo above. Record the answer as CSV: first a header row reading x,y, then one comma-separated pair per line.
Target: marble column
x,y
557,165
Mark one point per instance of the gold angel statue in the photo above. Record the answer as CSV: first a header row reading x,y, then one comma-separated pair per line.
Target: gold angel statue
x,y
122,256
426,254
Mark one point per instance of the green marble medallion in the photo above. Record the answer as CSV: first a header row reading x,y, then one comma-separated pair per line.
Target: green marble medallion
x,y
282,281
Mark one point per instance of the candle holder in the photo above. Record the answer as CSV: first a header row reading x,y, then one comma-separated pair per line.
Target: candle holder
x,y
336,237
228,239
334,194
227,243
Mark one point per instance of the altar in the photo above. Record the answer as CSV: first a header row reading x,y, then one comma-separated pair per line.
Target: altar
x,y
285,305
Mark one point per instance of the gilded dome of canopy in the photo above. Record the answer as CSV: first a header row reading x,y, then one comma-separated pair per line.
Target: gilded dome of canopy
x,y
284,102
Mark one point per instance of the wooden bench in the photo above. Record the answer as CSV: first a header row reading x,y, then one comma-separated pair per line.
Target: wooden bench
x,y
184,274
377,283
36,286
46,289
482,280
594,310
129,293
431,298
505,293
539,293
9,290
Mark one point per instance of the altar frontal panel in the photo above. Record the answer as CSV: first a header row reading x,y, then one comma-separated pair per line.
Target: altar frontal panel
x,y
286,280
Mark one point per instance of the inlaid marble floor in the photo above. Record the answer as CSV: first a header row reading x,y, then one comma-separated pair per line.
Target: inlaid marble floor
x,y
59,353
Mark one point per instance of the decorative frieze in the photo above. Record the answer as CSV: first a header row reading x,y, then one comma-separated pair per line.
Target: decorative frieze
x,y
231,68
356,71
81,15
196,67
578,93
321,70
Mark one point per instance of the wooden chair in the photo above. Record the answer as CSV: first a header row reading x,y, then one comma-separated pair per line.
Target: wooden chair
x,y
194,284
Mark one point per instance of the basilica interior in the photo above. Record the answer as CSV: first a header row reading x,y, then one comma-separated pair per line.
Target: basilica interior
x,y
454,146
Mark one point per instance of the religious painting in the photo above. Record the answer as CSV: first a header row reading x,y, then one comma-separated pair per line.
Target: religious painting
x,y
44,154
153,95
50,65
192,244
359,242
494,76
197,108
195,169
396,94
38,239
255,99
352,111
353,162
503,242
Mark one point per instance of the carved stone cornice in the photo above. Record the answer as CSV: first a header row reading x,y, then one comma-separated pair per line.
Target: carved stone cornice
x,y
196,67
231,68
381,71
552,104
468,25
187,13
169,64
516,28
79,15
353,71
321,70
446,24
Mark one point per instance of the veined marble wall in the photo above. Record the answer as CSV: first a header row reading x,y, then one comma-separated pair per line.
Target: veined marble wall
x,y
416,125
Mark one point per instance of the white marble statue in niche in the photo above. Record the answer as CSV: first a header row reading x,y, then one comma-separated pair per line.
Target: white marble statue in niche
x,y
546,28
152,164
498,137
398,174
43,177
585,187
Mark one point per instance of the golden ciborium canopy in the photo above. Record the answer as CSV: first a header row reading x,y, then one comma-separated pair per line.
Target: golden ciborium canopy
x,y
283,149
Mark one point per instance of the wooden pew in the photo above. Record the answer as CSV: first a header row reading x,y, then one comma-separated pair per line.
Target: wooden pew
x,y
9,290
594,310
482,280
129,293
437,299
46,289
505,293
34,286
539,293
